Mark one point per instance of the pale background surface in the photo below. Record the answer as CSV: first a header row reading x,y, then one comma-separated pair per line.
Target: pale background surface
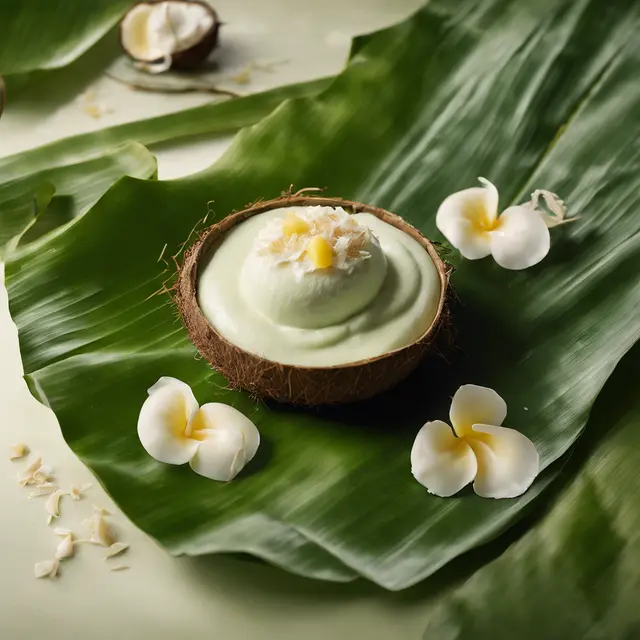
x,y
162,597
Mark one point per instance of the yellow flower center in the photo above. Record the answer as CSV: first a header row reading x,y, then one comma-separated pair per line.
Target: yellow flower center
x,y
480,218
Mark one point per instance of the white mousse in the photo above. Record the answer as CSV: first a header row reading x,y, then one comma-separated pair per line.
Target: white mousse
x,y
272,293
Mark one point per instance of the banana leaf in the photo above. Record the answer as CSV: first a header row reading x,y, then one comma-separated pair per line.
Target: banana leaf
x,y
69,164
527,94
51,34
576,574
77,187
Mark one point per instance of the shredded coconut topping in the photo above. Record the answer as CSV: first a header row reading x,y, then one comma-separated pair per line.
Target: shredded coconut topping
x,y
344,234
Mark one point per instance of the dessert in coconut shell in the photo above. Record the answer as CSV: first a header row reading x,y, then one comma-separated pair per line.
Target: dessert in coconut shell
x,y
291,263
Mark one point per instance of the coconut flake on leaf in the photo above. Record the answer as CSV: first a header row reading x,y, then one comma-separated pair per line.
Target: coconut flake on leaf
x,y
172,34
216,439
501,462
518,238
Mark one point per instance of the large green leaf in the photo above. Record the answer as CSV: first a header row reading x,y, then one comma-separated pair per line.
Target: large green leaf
x,y
527,95
51,34
69,164
576,575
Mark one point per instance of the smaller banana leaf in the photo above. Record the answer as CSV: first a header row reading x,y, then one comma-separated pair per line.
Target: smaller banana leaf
x,y
51,34
69,164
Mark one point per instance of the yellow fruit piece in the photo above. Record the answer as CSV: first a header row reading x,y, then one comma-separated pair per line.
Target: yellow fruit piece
x,y
294,225
320,252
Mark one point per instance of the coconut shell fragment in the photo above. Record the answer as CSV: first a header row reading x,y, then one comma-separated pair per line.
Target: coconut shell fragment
x,y
188,29
308,386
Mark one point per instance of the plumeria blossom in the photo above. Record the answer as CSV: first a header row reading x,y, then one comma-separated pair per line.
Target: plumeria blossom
x,y
517,238
501,462
215,439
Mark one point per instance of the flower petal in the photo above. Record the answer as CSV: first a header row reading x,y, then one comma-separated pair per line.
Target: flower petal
x,y
168,381
465,218
163,419
521,238
472,404
228,440
441,462
508,461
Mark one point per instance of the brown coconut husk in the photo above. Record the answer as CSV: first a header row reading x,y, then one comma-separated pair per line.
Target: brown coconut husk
x,y
189,59
308,386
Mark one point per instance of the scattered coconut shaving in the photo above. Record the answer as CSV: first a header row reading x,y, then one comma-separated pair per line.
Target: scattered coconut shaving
x,y
244,75
36,474
46,568
39,476
65,548
92,106
44,489
269,66
18,450
119,567
76,491
42,477
52,505
27,477
100,530
116,549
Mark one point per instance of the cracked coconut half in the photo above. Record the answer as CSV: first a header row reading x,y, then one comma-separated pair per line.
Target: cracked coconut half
x,y
175,34
312,300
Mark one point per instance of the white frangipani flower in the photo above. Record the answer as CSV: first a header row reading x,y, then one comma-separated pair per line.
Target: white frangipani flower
x,y
518,238
216,439
501,462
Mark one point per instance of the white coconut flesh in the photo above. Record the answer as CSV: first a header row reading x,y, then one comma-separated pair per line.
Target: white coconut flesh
x,y
157,31
265,294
